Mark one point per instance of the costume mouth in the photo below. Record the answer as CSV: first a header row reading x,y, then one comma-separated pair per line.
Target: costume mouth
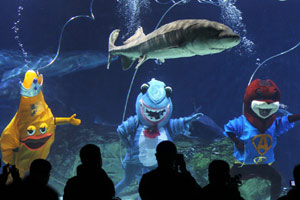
x,y
154,115
36,142
264,112
263,109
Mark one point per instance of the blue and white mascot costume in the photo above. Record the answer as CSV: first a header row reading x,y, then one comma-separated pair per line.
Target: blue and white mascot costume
x,y
150,126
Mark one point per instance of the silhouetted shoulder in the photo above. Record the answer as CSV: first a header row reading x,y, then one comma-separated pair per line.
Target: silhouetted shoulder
x,y
164,184
89,184
217,192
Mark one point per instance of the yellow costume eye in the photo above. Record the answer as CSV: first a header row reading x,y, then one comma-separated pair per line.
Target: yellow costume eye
x,y
31,130
43,128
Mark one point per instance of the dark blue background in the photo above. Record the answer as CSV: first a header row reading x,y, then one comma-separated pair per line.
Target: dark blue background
x,y
214,82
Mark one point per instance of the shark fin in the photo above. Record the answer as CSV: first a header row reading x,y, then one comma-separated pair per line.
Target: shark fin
x,y
162,60
138,34
141,61
111,44
126,62
112,39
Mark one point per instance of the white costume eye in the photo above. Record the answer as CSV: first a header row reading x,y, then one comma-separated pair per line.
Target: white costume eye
x,y
31,130
43,128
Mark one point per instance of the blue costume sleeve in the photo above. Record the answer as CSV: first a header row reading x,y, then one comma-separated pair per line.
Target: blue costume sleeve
x,y
282,125
179,127
127,129
234,126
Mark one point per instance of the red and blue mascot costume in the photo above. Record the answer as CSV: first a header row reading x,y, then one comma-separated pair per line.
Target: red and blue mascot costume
x,y
255,133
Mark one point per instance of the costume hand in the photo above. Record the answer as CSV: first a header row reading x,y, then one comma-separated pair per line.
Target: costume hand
x,y
283,106
193,118
121,131
74,121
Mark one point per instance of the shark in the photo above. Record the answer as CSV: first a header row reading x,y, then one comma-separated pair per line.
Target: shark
x,y
178,39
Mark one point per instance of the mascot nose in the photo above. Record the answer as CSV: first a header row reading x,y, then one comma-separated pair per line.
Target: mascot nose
x,y
157,93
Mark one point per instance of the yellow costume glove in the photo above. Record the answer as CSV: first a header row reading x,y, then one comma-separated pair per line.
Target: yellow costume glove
x,y
70,120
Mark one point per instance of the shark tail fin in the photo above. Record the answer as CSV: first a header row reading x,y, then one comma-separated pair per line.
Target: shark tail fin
x,y
111,44
126,62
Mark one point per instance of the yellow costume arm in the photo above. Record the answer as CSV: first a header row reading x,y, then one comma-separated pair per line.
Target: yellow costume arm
x,y
65,120
9,142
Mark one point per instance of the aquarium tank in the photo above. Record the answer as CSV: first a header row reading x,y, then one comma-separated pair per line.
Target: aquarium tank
x,y
219,78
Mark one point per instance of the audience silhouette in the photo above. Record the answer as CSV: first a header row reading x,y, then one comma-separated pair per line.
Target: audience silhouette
x,y
35,185
167,181
3,180
170,180
3,177
91,181
221,185
294,193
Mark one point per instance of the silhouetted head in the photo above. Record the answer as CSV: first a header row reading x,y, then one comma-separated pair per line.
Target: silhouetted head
x,y
218,172
90,155
40,171
166,152
296,173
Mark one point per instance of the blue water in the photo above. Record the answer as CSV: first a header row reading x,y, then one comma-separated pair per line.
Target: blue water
x,y
214,82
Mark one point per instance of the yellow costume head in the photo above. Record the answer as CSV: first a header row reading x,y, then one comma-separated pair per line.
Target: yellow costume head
x,y
37,125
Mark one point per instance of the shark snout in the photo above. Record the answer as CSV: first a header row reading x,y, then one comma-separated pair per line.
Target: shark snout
x,y
229,38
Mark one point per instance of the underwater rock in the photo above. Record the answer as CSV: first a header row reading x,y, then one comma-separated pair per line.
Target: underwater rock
x,y
221,149
64,157
256,189
205,128
253,189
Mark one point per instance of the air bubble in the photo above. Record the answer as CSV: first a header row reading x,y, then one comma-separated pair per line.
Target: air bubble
x,y
16,29
132,10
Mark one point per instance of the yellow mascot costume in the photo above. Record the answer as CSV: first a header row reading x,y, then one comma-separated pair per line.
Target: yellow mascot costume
x,y
31,132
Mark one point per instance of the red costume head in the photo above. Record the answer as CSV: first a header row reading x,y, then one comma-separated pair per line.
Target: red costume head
x,y
261,101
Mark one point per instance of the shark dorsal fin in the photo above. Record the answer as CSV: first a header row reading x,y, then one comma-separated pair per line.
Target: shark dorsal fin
x,y
138,34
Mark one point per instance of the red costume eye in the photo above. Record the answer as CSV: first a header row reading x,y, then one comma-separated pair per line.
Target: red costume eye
x,y
275,95
258,94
